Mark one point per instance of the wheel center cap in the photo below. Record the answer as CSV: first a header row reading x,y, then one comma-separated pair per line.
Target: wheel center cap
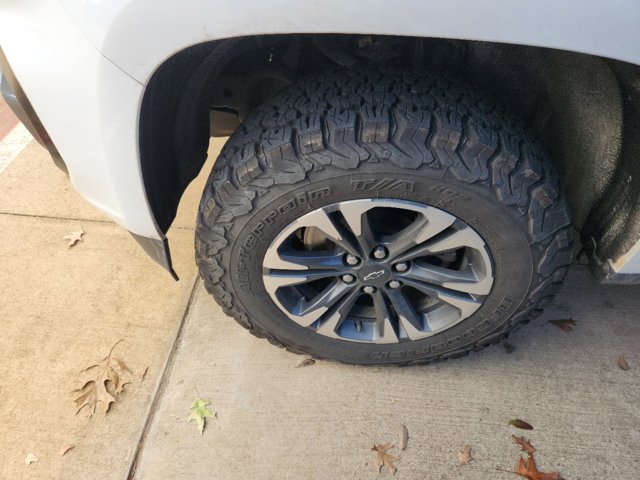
x,y
374,275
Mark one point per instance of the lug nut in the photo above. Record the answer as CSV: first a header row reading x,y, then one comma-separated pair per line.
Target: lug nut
x,y
401,267
352,259
380,252
394,284
369,289
348,278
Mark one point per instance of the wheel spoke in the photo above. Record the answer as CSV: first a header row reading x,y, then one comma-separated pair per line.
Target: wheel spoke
x,y
276,279
454,240
306,312
385,330
411,321
463,237
424,227
462,281
321,220
463,302
290,259
355,214
407,238
336,317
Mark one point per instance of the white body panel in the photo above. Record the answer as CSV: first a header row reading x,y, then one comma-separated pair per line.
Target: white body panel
x,y
89,107
138,35
84,63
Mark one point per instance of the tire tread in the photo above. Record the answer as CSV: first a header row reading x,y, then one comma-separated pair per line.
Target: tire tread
x,y
411,119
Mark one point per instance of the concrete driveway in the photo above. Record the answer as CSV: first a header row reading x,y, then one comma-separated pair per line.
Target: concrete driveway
x,y
62,309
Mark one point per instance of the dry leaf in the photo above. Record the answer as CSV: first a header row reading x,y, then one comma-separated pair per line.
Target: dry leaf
x,y
565,324
306,362
143,374
622,363
524,444
464,456
530,471
66,450
383,458
74,238
107,382
528,468
520,424
31,458
404,437
122,365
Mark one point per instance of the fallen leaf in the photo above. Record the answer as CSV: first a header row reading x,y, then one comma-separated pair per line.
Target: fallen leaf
x,y
529,470
622,363
143,374
306,362
31,458
508,347
404,437
464,455
65,450
383,458
520,424
74,238
565,324
199,412
524,444
107,382
123,366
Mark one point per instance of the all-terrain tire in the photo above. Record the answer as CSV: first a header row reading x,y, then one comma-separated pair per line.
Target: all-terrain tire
x,y
378,133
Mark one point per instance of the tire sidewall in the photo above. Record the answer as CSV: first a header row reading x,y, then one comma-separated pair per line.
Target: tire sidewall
x,y
501,227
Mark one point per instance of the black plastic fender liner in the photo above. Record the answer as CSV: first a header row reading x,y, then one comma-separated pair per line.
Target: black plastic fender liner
x,y
613,227
174,125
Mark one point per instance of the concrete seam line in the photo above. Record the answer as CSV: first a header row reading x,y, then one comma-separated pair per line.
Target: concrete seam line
x,y
84,220
49,217
161,386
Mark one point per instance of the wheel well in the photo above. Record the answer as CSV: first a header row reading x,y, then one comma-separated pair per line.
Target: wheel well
x,y
579,105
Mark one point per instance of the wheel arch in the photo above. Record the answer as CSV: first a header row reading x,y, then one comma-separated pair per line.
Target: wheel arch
x,y
139,35
577,105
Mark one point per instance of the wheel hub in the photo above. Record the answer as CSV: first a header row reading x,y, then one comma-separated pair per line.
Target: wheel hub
x,y
375,275
378,270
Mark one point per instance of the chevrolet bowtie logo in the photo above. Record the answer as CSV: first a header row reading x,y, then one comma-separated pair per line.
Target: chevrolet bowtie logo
x,y
373,275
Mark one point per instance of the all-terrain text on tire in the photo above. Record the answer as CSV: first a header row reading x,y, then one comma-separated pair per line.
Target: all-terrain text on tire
x,y
379,216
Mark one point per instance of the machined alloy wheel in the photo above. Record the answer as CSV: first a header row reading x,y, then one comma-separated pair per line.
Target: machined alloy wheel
x,y
382,216
378,270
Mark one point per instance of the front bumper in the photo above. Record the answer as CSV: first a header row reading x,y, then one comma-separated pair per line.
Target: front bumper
x,y
18,102
14,95
90,108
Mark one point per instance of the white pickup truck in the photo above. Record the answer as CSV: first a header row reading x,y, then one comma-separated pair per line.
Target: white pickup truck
x,y
403,180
